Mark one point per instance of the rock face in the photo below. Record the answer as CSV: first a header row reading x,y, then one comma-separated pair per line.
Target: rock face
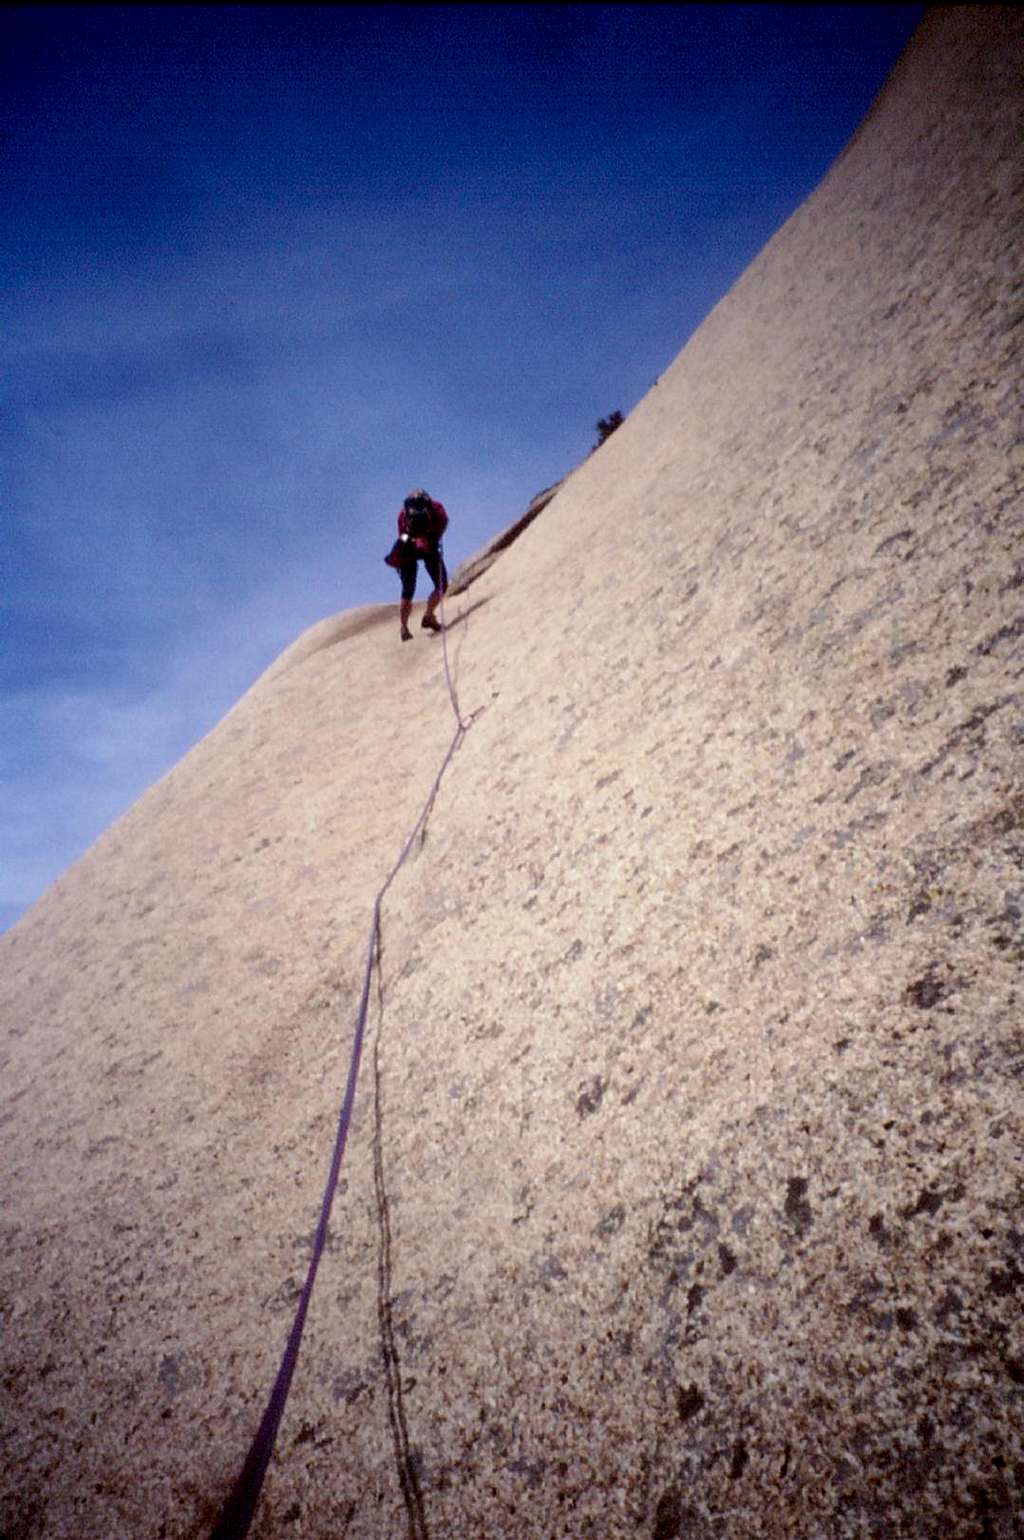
x,y
684,1194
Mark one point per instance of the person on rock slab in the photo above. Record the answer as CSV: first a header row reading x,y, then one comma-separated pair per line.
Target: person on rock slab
x,y
421,523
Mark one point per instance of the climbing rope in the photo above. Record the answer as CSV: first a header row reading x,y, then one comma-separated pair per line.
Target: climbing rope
x,y
237,1513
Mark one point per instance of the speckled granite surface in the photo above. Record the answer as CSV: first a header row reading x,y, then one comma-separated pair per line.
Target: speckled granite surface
x,y
684,1197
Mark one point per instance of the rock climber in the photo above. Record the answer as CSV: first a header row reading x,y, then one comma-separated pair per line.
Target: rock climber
x,y
421,523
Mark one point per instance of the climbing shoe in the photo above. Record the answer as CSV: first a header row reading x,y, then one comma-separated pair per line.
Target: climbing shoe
x,y
429,623
407,635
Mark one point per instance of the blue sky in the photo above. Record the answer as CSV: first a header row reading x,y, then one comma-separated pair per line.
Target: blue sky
x,y
265,268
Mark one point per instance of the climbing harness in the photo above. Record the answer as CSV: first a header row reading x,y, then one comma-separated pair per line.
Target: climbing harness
x,y
237,1513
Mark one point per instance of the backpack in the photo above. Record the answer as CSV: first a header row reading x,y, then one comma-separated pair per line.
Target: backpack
x,y
419,512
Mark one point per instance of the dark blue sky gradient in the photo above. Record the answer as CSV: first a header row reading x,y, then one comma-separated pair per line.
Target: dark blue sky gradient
x,y
266,267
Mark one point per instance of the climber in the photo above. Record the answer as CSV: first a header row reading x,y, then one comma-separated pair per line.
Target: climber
x,y
421,523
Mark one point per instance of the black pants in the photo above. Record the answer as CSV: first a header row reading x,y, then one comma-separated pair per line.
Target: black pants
x,y
435,571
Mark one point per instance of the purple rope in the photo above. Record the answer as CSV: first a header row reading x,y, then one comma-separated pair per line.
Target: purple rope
x,y
237,1513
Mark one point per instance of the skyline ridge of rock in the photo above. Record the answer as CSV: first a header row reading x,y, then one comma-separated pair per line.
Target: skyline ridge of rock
x,y
685,1193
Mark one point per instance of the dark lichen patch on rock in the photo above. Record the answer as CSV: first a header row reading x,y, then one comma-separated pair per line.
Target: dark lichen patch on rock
x,y
689,1401
927,991
1004,1281
590,1097
740,1458
726,1260
668,1516
682,1216
1014,1368
797,1208
929,1201
878,1231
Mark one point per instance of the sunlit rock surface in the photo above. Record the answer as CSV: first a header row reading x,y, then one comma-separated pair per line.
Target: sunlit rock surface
x,y
684,1193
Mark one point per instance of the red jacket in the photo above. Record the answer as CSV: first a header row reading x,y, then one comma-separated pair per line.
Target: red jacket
x,y
438,522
